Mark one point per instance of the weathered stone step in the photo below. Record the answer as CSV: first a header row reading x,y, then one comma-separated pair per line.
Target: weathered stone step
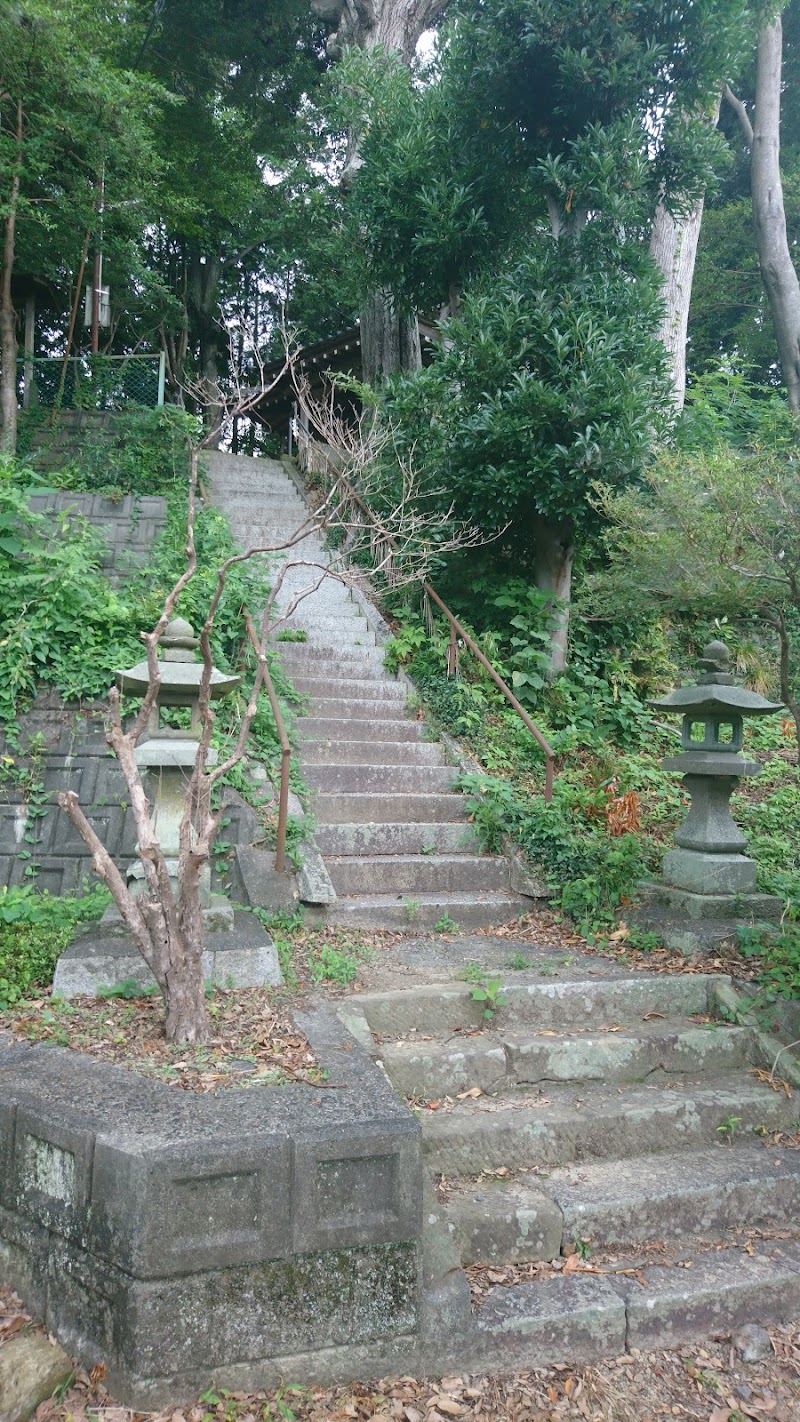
x,y
674,1196
570,1004
499,1061
369,752
348,632
565,1125
373,807
670,1197
558,1320
721,1291
417,873
397,839
467,911
552,1321
368,707
330,728
387,779
337,688
355,663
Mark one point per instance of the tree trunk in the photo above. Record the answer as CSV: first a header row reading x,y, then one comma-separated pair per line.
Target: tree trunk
x,y
203,294
554,551
673,247
769,217
389,342
777,268
185,1003
8,320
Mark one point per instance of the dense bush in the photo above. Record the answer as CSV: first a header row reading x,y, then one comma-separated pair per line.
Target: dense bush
x,y
34,931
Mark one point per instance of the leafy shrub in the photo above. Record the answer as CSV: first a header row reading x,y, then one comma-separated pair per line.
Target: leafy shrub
x,y
593,871
34,931
60,619
141,452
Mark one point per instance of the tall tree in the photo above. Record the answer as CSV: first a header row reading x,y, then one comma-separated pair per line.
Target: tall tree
x,y
67,109
769,215
561,123
389,335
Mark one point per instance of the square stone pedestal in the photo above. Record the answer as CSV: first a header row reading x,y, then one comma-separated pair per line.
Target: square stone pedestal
x,y
698,923
104,954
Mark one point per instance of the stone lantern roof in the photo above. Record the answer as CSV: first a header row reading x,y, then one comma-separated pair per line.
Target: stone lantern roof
x,y
715,692
180,673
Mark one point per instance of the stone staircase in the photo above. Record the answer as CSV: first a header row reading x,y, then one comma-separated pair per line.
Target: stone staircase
x,y
621,1116
391,827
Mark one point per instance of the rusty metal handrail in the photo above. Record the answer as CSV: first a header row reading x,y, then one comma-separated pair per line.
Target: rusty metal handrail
x,y
456,629
286,750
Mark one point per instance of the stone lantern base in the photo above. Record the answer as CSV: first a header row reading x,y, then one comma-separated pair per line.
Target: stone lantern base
x,y
697,923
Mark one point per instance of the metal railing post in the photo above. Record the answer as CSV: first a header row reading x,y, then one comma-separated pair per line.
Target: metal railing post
x,y
162,378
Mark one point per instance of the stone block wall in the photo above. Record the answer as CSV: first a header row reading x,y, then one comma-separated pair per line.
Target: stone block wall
x,y
128,525
257,1234
73,755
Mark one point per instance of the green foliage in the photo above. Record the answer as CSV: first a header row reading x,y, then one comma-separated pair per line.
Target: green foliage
x,y
401,647
488,992
141,452
337,962
717,536
445,924
127,990
778,946
35,928
522,407
61,622
593,871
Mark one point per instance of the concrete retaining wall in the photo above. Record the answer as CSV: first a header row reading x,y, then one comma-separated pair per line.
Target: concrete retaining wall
x,y
256,1234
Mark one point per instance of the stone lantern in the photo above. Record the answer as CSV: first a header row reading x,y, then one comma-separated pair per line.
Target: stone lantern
x,y
169,754
708,881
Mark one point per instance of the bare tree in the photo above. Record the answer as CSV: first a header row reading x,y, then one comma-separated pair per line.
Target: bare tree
x,y
769,218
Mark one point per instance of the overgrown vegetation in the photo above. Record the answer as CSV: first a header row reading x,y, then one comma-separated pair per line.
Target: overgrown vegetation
x,y
35,928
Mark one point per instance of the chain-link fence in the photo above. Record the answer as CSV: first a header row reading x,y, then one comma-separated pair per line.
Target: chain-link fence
x,y
98,382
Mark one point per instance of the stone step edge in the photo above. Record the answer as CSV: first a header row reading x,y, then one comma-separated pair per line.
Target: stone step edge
x,y
544,1209
582,1317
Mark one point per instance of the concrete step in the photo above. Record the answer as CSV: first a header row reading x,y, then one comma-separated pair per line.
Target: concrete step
x,y
670,1197
351,689
718,1294
417,873
567,1004
396,839
355,665
356,708
419,911
673,1198
330,728
346,638
371,807
389,779
348,619
562,1124
501,1061
369,752
559,1320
